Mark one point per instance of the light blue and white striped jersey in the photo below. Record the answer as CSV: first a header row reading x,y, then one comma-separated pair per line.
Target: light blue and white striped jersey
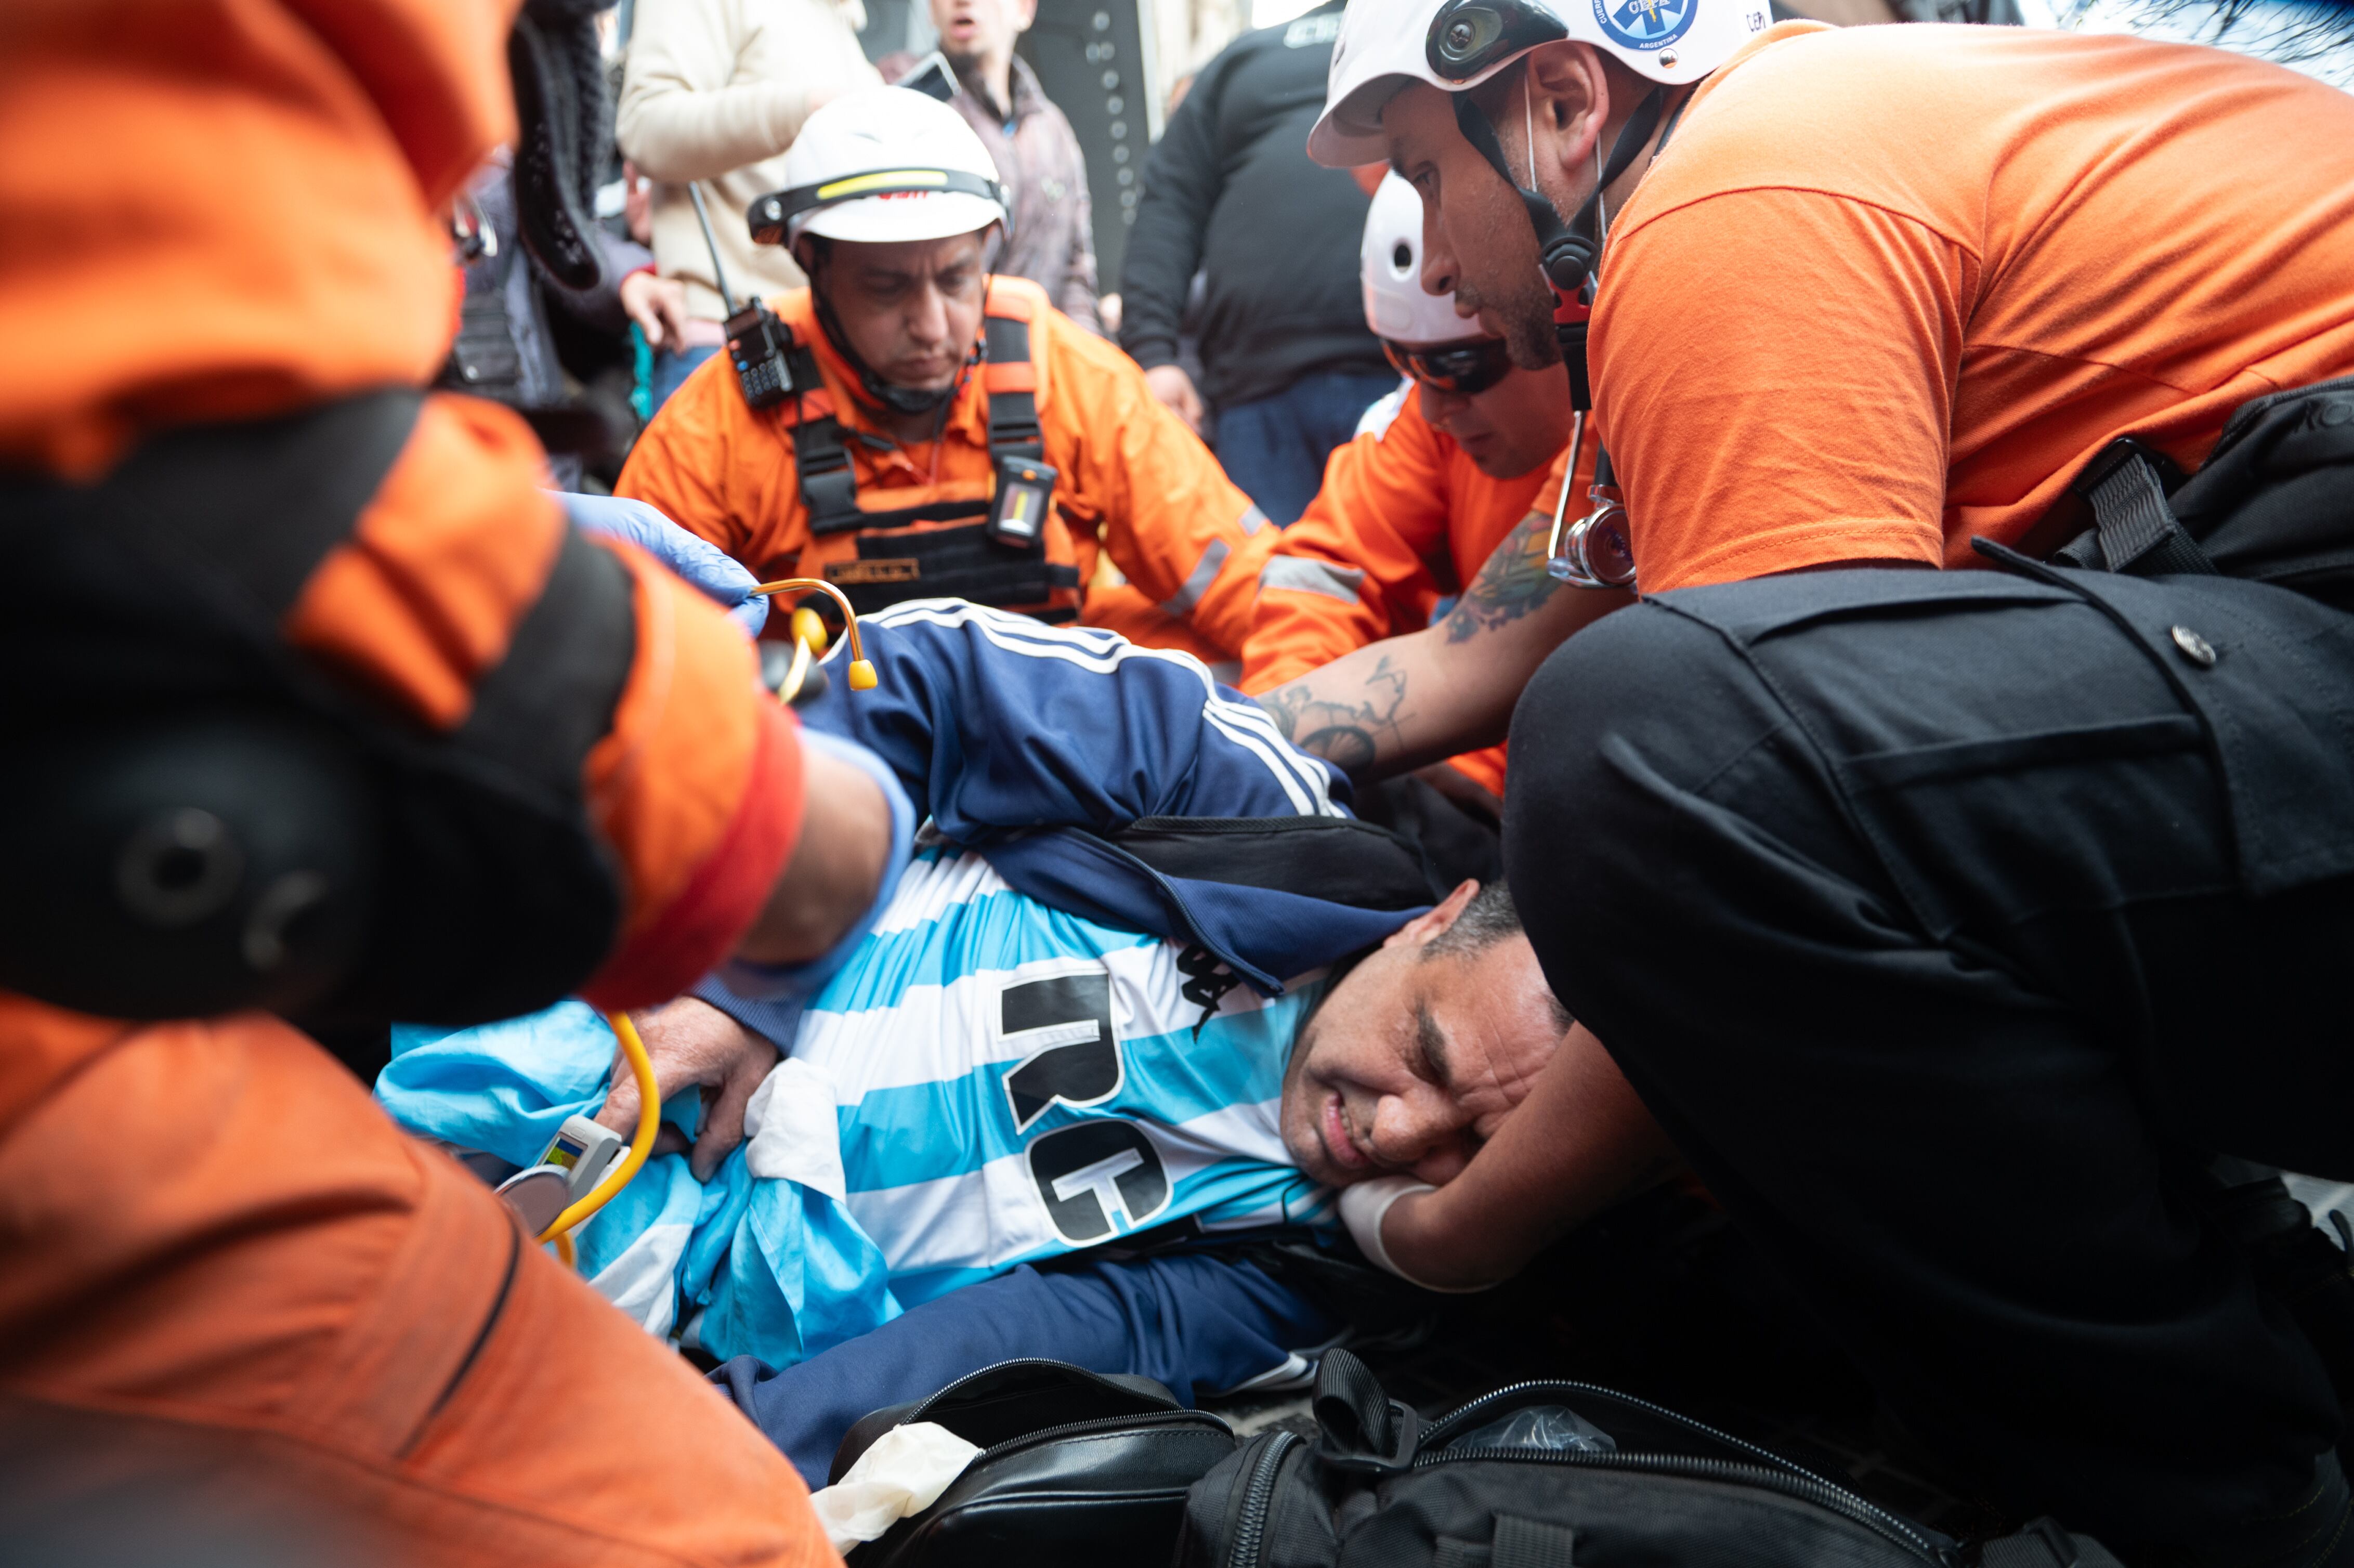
x,y
1011,1082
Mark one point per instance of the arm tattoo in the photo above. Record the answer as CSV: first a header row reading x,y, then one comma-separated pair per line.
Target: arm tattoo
x,y
1512,583
1346,731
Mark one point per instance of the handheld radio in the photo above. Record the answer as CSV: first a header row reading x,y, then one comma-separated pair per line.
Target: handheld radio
x,y
756,340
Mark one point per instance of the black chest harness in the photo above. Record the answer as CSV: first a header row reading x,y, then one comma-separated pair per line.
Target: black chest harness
x,y
1000,557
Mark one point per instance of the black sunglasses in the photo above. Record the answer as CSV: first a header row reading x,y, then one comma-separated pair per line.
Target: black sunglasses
x,y
1465,369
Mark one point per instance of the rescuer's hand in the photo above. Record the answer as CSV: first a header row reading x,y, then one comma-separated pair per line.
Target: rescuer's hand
x,y
701,564
692,1041
1580,1142
1175,388
657,304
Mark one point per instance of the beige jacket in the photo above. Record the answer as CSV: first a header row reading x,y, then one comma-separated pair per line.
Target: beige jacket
x,y
716,91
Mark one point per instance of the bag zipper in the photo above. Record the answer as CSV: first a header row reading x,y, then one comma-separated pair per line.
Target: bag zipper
x,y
923,1409
1103,1423
1259,1495
1771,1471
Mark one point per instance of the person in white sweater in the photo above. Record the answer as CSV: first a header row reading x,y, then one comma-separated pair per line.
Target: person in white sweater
x,y
714,92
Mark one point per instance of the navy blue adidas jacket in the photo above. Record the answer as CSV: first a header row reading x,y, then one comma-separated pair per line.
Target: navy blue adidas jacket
x,y
1063,754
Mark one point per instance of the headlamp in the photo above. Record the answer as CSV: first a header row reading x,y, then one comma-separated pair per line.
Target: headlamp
x,y
769,216
1470,38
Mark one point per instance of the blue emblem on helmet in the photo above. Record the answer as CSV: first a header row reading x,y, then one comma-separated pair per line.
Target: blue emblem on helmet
x,y
1645,24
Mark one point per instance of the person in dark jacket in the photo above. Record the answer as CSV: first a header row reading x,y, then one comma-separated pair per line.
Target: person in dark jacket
x,y
505,348
1287,362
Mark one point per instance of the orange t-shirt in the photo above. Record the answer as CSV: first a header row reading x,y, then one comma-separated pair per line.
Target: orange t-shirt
x,y
1888,288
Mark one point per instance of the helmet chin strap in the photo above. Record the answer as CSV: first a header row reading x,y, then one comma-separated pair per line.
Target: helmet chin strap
x,y
1566,251
906,400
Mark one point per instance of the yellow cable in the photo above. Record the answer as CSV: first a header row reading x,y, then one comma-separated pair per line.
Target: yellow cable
x,y
861,678
861,673
642,1145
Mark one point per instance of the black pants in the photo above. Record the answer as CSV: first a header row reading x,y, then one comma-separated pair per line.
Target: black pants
x,y
1950,923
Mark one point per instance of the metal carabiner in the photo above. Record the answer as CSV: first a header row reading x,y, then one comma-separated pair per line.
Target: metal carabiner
x,y
1593,552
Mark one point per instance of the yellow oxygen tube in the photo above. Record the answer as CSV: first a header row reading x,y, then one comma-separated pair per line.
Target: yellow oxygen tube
x,y
862,673
642,1066
560,1230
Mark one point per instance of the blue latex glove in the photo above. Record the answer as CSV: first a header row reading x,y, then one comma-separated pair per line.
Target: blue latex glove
x,y
696,560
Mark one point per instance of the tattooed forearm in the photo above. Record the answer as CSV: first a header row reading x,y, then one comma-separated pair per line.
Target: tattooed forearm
x,y
1513,583
1348,727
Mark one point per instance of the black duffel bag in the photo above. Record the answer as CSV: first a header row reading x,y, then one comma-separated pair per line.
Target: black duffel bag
x,y
1076,1467
2274,502
1550,1474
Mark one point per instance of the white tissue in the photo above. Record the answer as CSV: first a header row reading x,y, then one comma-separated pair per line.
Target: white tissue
x,y
904,1473
791,1132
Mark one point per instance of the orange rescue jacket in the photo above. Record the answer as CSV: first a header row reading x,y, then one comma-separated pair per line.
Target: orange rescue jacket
x,y
1132,482
1404,520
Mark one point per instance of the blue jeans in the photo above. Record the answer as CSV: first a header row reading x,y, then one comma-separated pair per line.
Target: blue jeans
x,y
1185,1319
670,369
1274,448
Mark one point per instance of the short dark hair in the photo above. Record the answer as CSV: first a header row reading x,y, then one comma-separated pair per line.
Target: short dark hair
x,y
1488,919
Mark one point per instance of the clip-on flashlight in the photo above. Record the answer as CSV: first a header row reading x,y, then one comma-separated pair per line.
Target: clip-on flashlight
x,y
1024,486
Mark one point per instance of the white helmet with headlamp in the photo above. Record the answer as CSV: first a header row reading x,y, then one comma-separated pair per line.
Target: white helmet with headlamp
x,y
1387,46
880,167
1454,45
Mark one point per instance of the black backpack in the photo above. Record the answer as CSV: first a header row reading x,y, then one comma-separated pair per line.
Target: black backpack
x,y
1077,1468
2274,502
1550,1474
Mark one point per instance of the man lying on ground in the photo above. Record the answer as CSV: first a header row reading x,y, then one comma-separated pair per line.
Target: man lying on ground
x,y
1089,1059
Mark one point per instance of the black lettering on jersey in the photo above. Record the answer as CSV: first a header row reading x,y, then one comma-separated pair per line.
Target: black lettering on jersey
x,y
1089,1173
1077,1057
1208,982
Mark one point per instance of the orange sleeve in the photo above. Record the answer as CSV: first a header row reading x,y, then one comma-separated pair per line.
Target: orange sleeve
x,y
695,788
1355,568
684,462
222,208
1174,524
1811,344
446,558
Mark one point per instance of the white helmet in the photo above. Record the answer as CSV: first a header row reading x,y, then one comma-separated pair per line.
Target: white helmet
x,y
882,164
1388,45
1397,307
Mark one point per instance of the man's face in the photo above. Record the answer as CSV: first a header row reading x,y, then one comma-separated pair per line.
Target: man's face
x,y
1518,424
976,30
912,310
1476,239
1413,1061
